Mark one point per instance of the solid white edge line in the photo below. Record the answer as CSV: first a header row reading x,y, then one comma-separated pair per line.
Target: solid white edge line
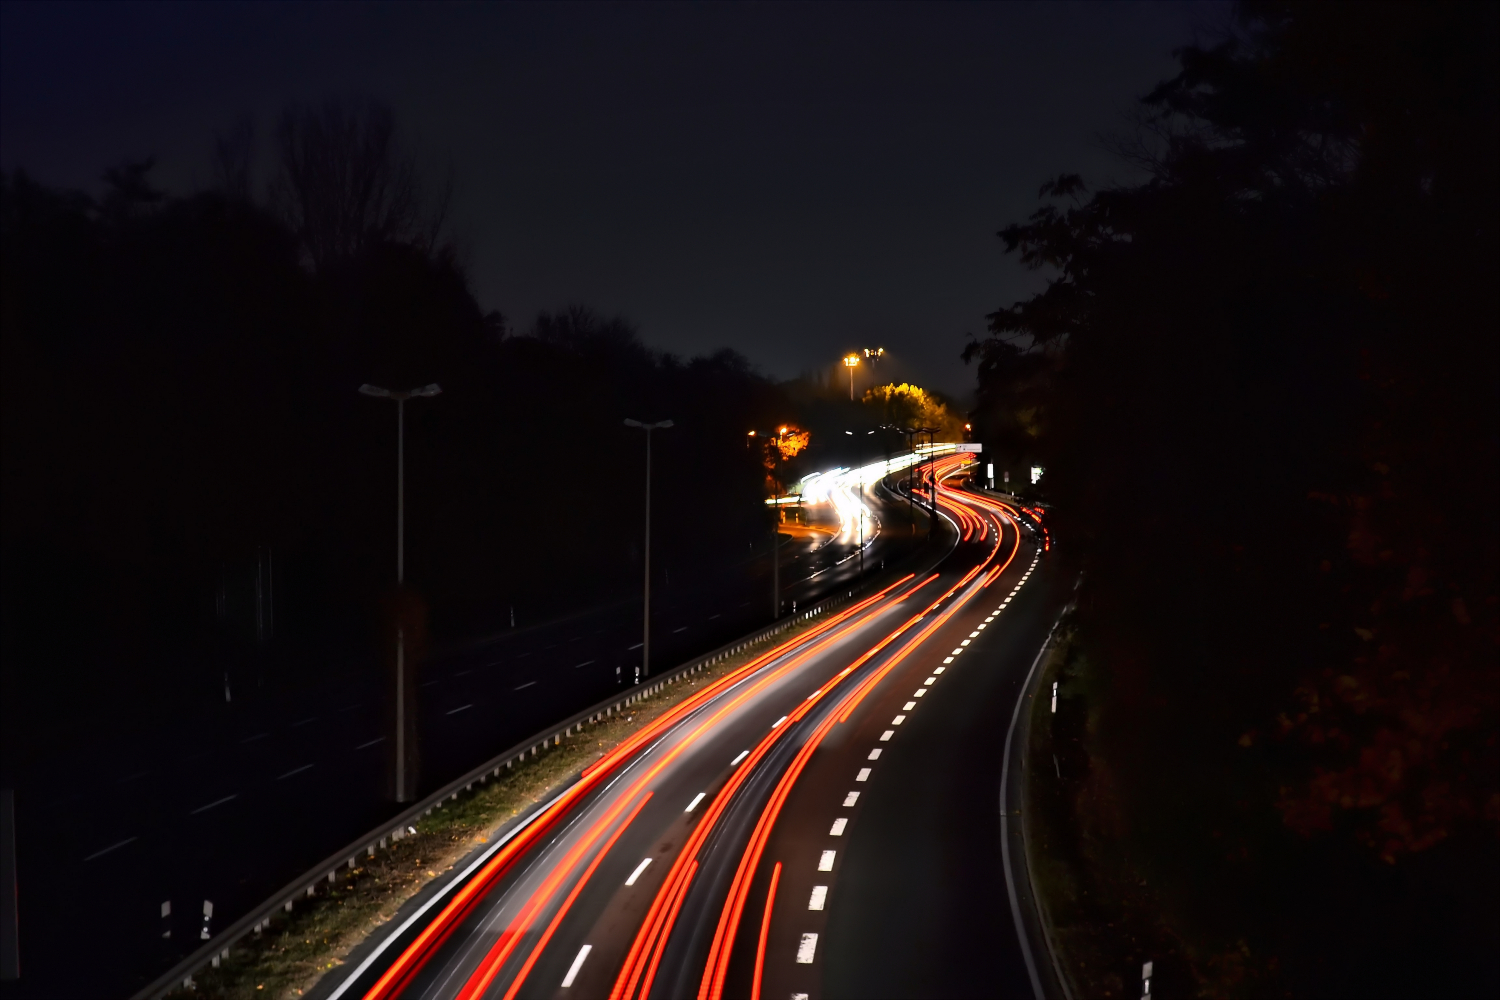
x,y
637,873
1010,882
406,924
577,964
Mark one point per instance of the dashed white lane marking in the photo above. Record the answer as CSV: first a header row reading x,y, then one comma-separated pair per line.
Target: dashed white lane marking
x,y
908,706
778,722
378,739
295,770
960,649
979,628
898,720
696,799
837,830
577,964
583,664
742,756
528,684
989,619
814,694
919,692
938,670
806,949
460,708
818,898
825,861
974,634
131,840
220,802
885,736
964,642
874,754
637,873
947,659
850,799
930,681
863,775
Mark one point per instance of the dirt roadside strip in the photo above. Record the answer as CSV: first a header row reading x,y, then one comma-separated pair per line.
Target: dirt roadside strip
x,y
290,956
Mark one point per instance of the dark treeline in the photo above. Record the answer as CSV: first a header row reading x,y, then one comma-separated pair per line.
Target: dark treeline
x,y
191,476
1264,383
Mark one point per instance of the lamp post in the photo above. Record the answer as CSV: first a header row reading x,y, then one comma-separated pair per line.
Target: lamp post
x,y
932,485
433,389
910,434
646,628
851,362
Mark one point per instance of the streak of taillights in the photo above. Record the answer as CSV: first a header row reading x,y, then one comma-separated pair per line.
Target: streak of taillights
x,y
501,951
651,937
567,904
416,955
765,929
717,966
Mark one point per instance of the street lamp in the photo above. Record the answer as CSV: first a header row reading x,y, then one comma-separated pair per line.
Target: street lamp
x,y
646,630
851,362
400,398
775,437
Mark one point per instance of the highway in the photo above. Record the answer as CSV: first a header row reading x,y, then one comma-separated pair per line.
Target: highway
x,y
228,803
822,822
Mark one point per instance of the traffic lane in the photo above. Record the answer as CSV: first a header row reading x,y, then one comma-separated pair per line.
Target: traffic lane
x,y
608,953
753,719
141,843
921,907
824,809
682,963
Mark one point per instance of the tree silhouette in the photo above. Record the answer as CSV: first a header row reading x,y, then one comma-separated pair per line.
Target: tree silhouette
x,y
1265,379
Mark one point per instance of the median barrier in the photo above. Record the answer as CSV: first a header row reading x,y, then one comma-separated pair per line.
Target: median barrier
x,y
398,827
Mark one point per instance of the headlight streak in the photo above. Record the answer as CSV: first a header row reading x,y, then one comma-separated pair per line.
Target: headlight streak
x,y
415,955
717,967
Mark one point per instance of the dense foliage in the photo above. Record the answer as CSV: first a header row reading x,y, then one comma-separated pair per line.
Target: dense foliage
x,y
1264,383
181,419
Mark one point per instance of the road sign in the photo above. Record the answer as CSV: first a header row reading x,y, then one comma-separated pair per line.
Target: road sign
x,y
969,446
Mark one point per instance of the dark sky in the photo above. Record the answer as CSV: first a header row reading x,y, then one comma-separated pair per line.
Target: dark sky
x,y
791,181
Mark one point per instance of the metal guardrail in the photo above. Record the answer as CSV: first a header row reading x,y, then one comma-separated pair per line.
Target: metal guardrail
x,y
326,872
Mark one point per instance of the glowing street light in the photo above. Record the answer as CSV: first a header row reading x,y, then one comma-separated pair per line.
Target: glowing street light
x,y
402,794
850,362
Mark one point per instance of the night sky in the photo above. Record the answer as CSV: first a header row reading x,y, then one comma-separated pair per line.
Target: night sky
x,y
791,181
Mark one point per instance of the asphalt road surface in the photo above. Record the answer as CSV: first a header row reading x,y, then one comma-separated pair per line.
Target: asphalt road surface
x,y
227,805
823,822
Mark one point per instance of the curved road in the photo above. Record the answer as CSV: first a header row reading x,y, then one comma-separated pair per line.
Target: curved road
x,y
823,822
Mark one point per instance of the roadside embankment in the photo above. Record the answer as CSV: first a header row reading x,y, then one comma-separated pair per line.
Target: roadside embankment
x,y
1099,912
299,948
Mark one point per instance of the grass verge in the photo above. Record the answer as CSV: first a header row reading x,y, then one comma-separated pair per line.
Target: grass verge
x,y
300,947
1103,919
